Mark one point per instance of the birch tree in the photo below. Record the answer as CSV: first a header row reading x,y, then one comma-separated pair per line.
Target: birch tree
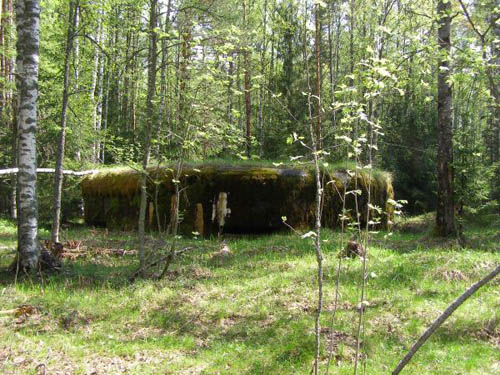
x,y
27,62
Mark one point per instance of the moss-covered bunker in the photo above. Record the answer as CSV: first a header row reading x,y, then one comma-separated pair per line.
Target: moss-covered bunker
x,y
241,199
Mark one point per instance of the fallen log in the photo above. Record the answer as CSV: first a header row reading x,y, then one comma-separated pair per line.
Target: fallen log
x,y
49,170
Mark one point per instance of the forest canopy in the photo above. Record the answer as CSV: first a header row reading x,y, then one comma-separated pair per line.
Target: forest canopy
x,y
231,78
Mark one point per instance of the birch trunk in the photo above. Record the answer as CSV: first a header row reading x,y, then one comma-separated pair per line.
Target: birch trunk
x,y
13,181
76,73
93,83
7,107
28,31
99,100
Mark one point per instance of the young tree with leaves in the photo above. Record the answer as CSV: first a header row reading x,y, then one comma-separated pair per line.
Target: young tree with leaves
x,y
58,180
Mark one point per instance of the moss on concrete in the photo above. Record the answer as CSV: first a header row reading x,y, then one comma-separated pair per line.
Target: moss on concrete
x,y
258,197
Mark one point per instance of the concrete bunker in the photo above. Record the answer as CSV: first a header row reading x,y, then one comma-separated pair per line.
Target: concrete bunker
x,y
230,198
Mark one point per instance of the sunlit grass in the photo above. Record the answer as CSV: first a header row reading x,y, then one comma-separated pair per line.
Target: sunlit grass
x,y
252,311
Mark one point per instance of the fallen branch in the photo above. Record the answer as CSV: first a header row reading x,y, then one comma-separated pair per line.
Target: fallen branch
x,y
440,320
49,170
167,258
8,312
85,252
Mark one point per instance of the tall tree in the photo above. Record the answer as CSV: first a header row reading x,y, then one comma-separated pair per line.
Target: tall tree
x,y
445,213
494,77
7,111
96,83
317,52
152,59
58,179
28,38
246,67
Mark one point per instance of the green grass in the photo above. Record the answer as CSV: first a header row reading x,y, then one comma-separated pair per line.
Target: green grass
x,y
252,163
253,311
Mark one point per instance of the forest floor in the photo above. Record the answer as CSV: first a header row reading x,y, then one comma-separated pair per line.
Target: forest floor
x,y
250,308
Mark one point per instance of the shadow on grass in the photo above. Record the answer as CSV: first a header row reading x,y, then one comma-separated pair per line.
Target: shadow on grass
x,y
74,276
284,341
465,330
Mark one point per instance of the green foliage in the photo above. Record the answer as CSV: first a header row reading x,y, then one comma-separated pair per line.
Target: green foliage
x,y
255,306
378,65
71,200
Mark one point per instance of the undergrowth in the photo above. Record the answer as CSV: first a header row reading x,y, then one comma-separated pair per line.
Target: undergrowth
x,y
249,310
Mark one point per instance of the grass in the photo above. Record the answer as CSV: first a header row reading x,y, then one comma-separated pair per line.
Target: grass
x,y
251,312
252,163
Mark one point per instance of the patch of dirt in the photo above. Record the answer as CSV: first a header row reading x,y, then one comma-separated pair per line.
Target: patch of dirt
x,y
302,305
452,275
353,249
284,267
229,321
223,252
142,333
74,319
342,345
346,305
388,323
190,272
201,273
490,332
20,361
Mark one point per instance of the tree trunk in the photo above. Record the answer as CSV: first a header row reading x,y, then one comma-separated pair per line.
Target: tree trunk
x,y
246,62
352,22
163,110
185,55
7,110
108,71
93,83
76,74
58,180
28,31
445,213
262,93
495,90
149,125
13,181
99,100
230,81
76,46
317,44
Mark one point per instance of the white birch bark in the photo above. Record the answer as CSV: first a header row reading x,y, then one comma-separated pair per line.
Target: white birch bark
x,y
76,73
93,83
99,100
28,29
